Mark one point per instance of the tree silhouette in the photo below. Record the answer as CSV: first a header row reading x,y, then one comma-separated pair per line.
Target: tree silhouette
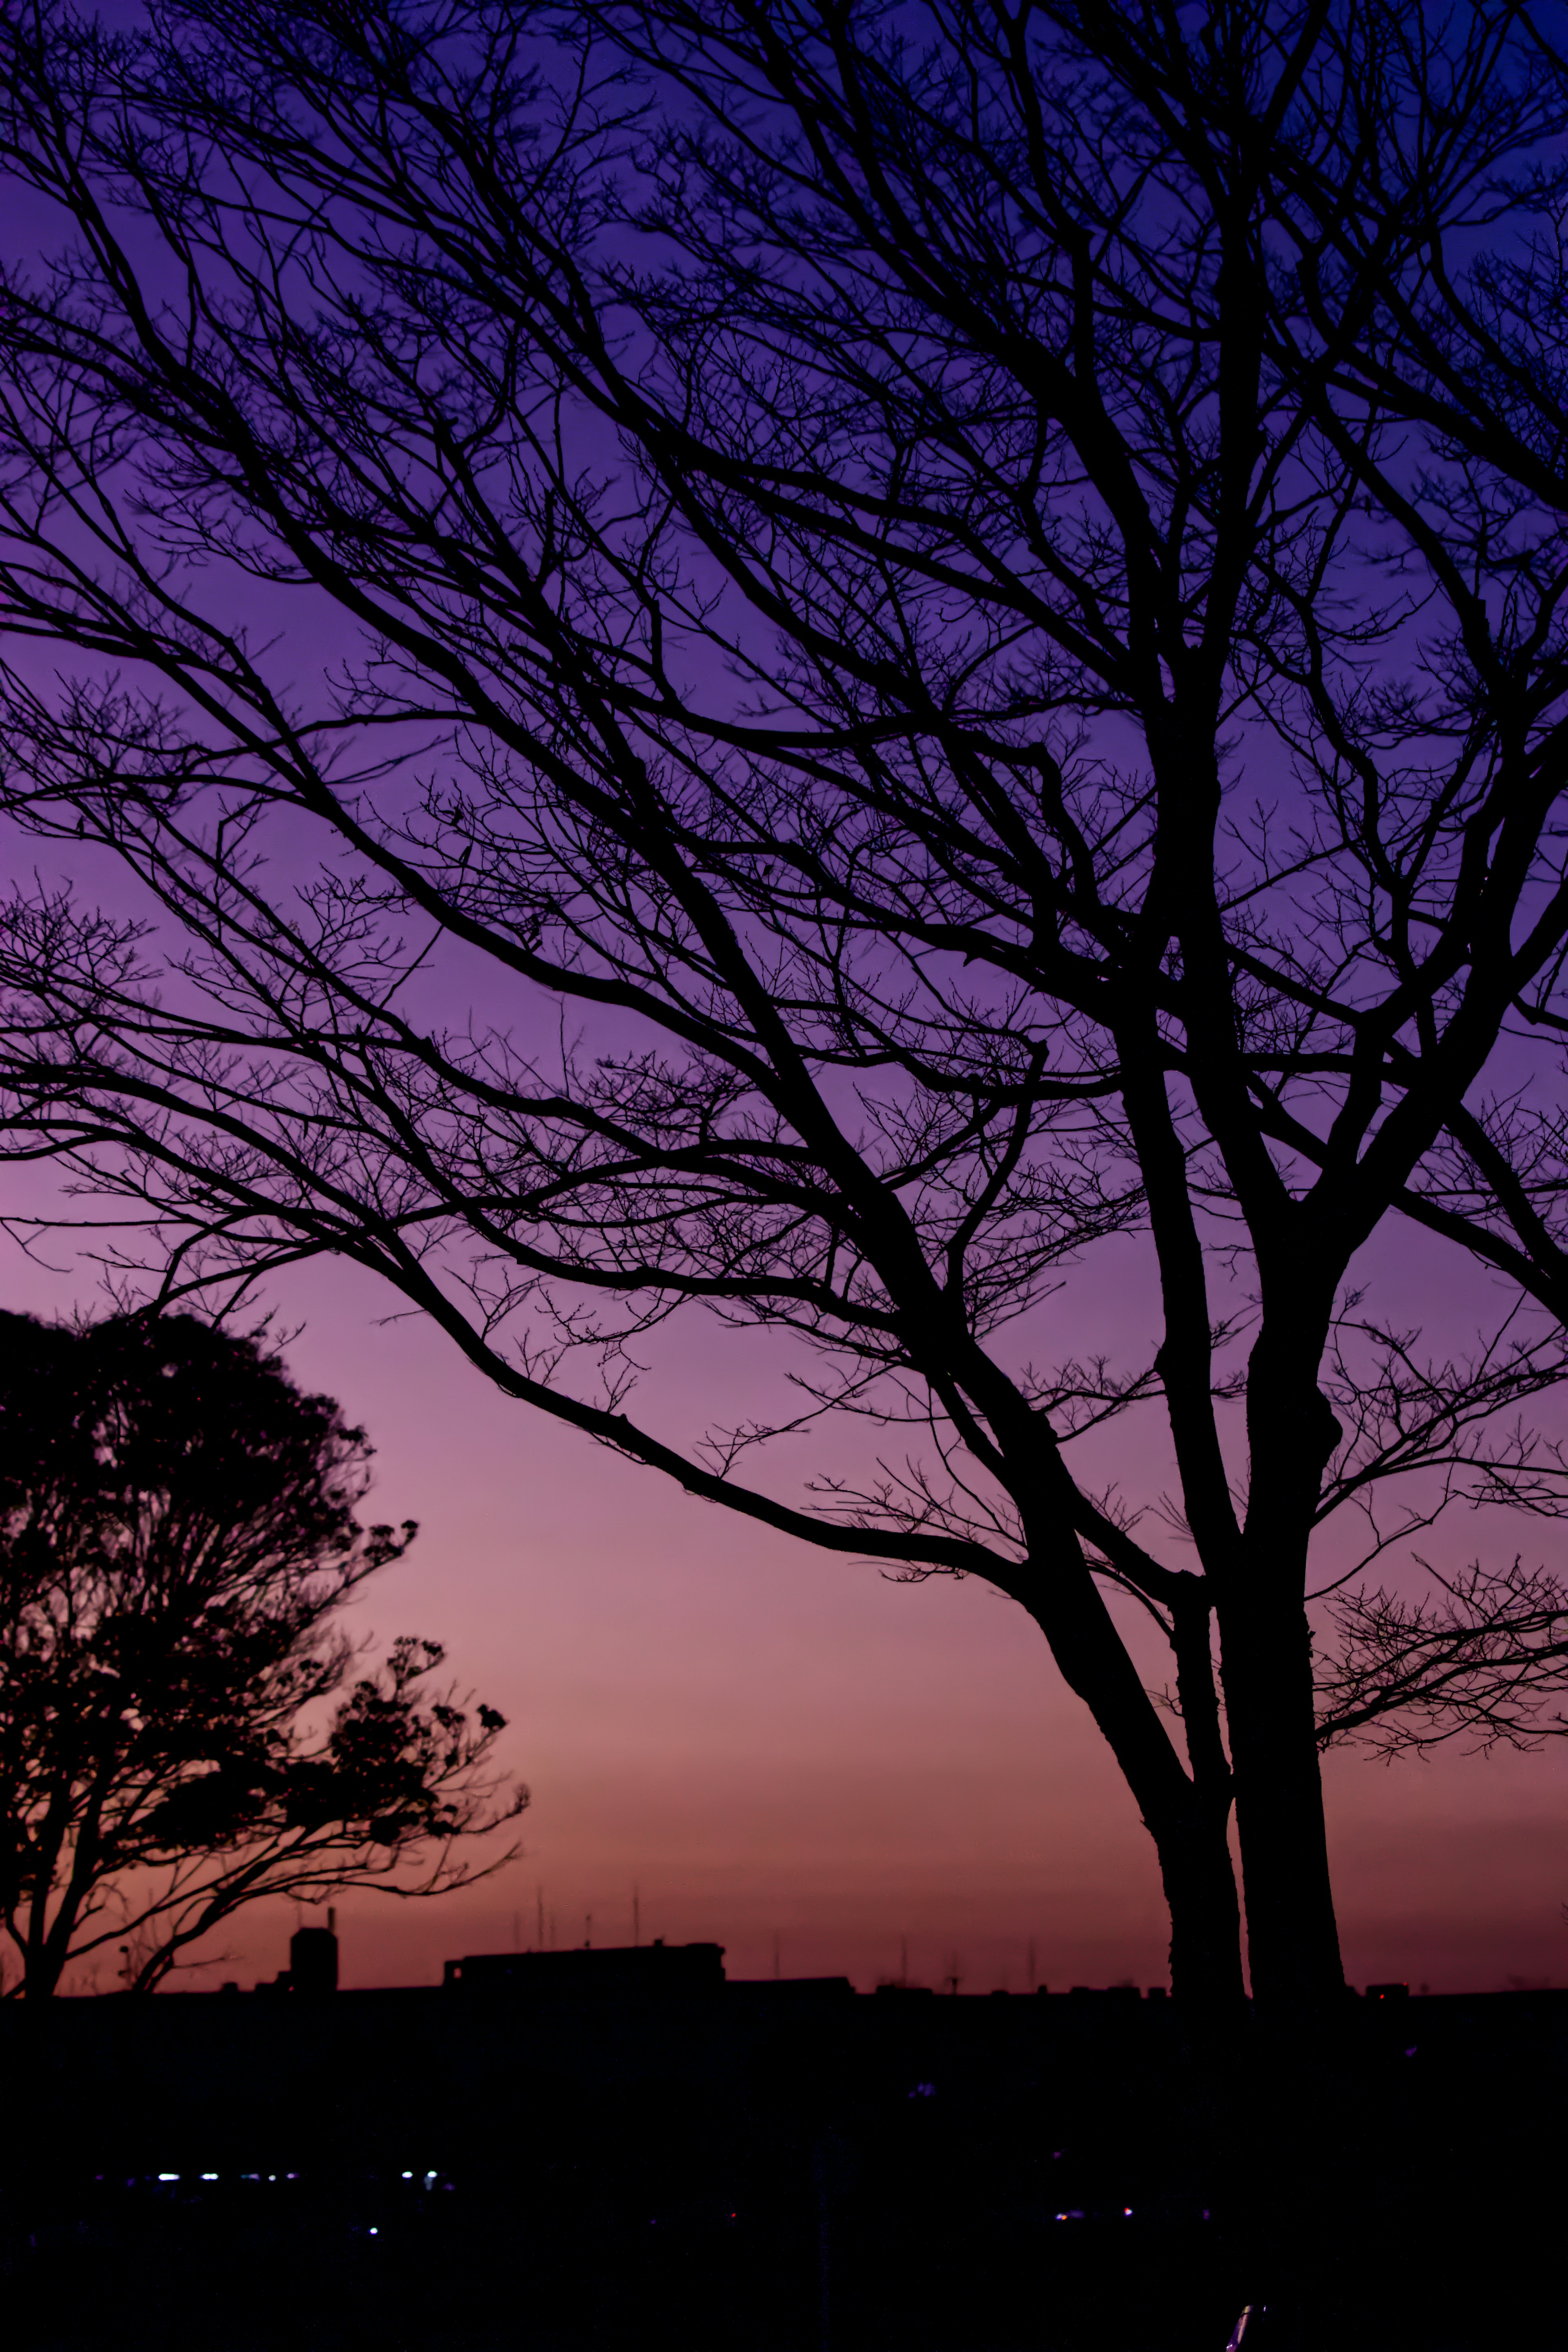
x,y
904,568
177,1542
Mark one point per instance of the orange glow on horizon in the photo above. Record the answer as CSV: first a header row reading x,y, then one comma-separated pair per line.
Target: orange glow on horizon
x,y
779,1747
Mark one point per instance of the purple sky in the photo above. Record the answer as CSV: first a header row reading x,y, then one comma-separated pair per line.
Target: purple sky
x,y
770,1743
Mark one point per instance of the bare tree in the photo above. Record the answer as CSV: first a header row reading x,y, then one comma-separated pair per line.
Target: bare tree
x,y
177,1542
1478,1659
886,569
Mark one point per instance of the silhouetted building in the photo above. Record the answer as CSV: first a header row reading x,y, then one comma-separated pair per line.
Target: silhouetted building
x,y
313,1958
312,1961
657,1968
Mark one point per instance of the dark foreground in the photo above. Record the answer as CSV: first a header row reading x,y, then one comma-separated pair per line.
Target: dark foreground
x,y
754,2168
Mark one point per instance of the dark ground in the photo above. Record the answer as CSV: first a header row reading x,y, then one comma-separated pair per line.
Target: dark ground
x,y
765,2170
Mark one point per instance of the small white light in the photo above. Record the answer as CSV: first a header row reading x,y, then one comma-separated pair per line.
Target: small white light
x,y
168,2176
1127,2212
376,2233
408,2176
209,2176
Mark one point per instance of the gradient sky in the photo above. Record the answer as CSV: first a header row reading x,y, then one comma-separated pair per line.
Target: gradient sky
x,y
770,1743
773,1744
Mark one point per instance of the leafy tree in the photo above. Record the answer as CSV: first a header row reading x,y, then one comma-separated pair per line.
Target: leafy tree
x,y
911,567
177,1542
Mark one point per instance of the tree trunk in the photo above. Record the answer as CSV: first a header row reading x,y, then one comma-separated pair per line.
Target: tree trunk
x,y
1302,2262
1185,1815
1266,1669
43,1968
1206,1916
1292,1935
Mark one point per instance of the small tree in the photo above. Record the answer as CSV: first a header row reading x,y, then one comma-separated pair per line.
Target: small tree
x,y
177,1541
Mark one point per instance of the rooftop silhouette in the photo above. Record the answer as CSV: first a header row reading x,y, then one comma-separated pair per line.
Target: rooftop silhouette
x,y
611,1970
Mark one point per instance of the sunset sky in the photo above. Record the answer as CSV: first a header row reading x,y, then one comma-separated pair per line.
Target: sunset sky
x,y
771,1743
786,1751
